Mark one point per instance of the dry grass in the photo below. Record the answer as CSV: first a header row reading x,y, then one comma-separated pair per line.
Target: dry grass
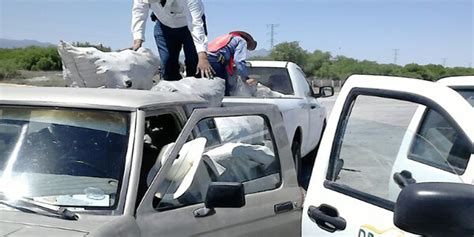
x,y
38,78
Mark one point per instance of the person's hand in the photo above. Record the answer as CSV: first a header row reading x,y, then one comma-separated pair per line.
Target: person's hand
x,y
251,82
204,67
137,44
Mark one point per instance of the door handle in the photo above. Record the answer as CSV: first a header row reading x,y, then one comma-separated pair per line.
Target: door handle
x,y
403,179
327,218
283,207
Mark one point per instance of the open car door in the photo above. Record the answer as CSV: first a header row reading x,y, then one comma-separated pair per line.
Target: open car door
x,y
230,173
349,192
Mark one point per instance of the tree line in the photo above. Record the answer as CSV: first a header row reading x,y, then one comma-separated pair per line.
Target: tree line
x,y
315,64
326,66
34,59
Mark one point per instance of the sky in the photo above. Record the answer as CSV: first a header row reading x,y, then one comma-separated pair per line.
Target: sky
x,y
423,31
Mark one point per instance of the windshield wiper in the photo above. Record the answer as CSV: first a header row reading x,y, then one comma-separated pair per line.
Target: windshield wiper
x,y
57,210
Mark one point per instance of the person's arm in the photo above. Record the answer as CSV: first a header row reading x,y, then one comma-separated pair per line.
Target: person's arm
x,y
240,55
195,15
139,17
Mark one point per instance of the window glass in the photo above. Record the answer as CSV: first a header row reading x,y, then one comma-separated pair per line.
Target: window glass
x,y
307,89
468,94
379,142
371,141
277,79
160,130
244,154
438,144
66,157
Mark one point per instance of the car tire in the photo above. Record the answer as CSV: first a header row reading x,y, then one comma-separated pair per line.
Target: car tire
x,y
296,151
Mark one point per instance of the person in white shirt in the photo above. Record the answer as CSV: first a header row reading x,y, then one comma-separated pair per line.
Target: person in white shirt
x,y
179,25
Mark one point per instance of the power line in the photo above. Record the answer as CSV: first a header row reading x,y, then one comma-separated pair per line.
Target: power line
x,y
395,55
272,34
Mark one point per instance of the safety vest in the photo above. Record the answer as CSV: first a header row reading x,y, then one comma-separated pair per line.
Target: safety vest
x,y
219,43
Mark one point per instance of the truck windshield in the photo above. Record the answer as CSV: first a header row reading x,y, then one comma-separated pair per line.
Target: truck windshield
x,y
66,157
277,79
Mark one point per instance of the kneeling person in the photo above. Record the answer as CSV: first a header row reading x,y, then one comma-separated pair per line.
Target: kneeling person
x,y
228,49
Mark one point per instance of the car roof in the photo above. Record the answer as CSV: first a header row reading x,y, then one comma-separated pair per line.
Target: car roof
x,y
95,98
278,64
457,81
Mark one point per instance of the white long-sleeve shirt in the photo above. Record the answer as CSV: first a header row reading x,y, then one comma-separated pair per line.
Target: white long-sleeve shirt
x,y
175,14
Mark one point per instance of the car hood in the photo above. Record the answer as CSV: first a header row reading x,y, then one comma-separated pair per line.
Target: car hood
x,y
23,229
16,223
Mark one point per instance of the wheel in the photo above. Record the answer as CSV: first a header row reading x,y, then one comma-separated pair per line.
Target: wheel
x,y
296,151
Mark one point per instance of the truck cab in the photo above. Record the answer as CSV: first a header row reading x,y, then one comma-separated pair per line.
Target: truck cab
x,y
111,162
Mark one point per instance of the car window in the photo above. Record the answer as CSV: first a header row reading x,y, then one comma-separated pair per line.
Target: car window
x,y
80,155
468,94
245,155
277,79
372,140
307,89
160,130
438,144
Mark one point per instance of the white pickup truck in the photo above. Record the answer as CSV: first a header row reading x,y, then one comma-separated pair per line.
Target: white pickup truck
x,y
304,116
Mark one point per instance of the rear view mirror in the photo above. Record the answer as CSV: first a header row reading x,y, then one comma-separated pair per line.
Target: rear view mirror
x,y
436,209
222,194
324,91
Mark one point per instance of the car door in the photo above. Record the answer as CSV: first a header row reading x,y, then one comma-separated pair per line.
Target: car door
x,y
249,147
315,112
348,193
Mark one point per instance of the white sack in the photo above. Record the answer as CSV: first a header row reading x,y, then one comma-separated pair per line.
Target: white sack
x,y
90,67
265,92
212,90
240,162
242,89
240,128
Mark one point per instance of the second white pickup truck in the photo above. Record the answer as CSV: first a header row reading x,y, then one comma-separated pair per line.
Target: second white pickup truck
x,y
304,116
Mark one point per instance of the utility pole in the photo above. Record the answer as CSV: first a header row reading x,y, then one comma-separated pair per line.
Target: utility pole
x,y
395,55
444,61
272,34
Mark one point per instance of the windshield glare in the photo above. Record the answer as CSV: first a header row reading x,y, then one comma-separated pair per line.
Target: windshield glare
x,y
63,156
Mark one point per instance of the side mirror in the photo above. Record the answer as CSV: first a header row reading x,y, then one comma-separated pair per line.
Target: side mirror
x,y
436,209
222,194
325,91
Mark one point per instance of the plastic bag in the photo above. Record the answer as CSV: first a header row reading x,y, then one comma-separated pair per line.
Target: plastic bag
x,y
90,67
212,90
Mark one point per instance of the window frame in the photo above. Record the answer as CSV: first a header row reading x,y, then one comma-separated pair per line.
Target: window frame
x,y
275,151
428,162
330,182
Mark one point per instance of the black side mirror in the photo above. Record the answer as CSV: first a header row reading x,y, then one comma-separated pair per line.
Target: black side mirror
x,y
436,209
222,194
324,91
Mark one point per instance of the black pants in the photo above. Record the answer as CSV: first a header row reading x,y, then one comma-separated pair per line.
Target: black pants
x,y
170,41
